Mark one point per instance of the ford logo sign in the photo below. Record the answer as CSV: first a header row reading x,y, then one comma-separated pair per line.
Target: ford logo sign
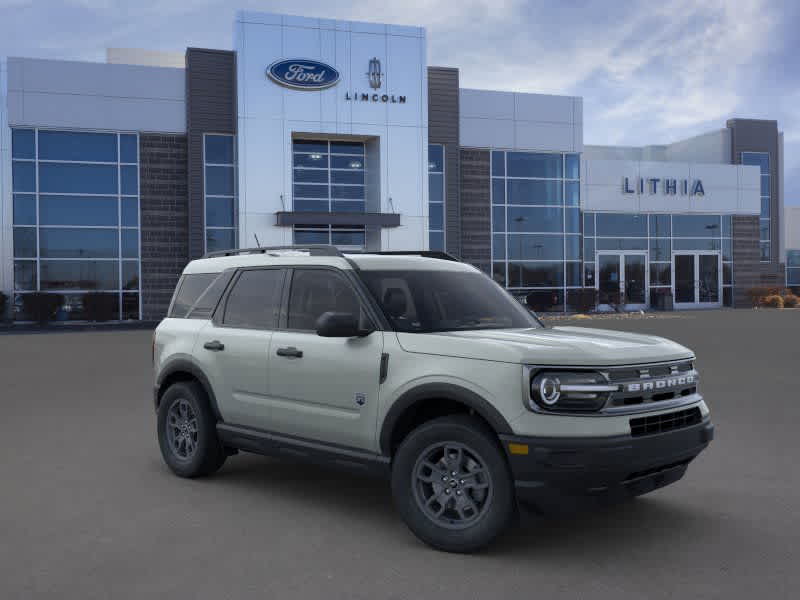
x,y
303,74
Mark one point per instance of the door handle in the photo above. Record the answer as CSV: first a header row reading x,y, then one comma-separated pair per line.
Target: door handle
x,y
215,346
290,352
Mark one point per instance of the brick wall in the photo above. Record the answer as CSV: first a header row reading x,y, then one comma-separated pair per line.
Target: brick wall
x,y
476,209
746,253
164,219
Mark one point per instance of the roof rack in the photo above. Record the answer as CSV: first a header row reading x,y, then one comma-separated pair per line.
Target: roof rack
x,y
423,253
312,249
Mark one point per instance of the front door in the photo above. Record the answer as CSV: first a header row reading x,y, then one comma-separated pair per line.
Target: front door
x,y
324,388
622,279
697,279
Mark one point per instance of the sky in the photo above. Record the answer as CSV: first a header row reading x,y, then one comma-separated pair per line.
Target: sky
x,y
649,72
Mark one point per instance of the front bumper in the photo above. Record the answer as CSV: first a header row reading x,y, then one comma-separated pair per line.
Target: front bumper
x,y
557,473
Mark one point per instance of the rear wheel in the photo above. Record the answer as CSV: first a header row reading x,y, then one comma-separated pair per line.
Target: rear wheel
x,y
452,485
187,433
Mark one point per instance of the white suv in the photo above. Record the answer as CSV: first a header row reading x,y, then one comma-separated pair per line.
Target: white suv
x,y
420,368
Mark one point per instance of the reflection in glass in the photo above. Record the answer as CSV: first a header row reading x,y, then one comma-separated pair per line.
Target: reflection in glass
x,y
79,275
78,243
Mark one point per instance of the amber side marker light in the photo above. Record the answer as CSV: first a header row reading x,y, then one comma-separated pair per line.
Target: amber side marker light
x,y
518,448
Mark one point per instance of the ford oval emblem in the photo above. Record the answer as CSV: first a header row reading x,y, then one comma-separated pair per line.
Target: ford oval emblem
x,y
303,74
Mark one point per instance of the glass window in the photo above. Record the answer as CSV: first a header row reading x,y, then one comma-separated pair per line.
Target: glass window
x,y
77,146
219,239
573,166
696,225
436,185
572,246
347,148
254,300
759,159
311,191
320,161
727,225
25,275
621,225
312,146
357,177
24,209
347,238
763,228
347,206
431,301
660,226
219,212
219,181
621,243
80,275
347,192
572,220
727,273
342,162
128,148
436,241
435,158
312,205
660,274
793,258
765,251
219,150
765,207
311,175
588,249
695,244
204,306
498,191
765,191
66,178
77,210
499,246
130,275
727,249
529,164
311,236
25,242
588,273
316,291
129,180
535,247
536,219
130,243
498,163
572,193
56,242
23,143
188,291
573,274
23,176
436,216
660,249
130,307
130,212
498,218
529,191
588,224
532,274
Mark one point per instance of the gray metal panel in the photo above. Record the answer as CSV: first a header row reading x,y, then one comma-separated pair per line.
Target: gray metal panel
x,y
443,128
287,219
210,108
476,215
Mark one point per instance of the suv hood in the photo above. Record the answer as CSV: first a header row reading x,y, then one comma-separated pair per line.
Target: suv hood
x,y
569,346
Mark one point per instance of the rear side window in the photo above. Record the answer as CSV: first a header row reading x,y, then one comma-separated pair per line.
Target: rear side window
x,y
254,301
205,305
190,288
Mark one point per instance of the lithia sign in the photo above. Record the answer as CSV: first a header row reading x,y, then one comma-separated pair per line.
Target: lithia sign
x,y
306,74
667,186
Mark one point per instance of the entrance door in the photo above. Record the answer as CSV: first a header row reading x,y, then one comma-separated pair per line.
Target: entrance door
x,y
697,279
622,279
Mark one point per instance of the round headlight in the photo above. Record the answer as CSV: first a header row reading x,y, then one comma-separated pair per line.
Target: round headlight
x,y
548,388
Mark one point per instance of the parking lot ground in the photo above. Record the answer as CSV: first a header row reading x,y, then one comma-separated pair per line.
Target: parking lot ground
x,y
88,510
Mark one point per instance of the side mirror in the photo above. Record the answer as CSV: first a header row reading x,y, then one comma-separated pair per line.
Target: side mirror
x,y
337,324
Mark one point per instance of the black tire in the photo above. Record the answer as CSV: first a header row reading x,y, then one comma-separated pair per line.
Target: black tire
x,y
207,454
417,488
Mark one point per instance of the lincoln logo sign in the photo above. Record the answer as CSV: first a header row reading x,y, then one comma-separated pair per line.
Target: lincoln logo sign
x,y
667,186
302,74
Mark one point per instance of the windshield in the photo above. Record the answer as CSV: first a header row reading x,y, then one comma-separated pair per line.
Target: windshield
x,y
431,301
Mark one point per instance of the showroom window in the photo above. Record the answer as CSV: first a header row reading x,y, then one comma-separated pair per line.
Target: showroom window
x,y
659,235
328,176
76,221
436,197
536,241
793,268
761,160
219,160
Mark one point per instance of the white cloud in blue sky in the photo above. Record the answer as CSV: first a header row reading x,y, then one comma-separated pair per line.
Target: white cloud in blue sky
x,y
649,72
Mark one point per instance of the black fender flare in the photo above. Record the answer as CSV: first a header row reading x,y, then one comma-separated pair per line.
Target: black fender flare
x,y
186,366
447,391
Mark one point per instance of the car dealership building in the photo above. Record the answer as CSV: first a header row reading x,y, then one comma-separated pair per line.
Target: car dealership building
x,y
114,175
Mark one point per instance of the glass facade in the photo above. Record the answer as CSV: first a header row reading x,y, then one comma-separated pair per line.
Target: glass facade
x,y
536,241
328,176
793,268
436,197
76,219
659,235
219,166
761,160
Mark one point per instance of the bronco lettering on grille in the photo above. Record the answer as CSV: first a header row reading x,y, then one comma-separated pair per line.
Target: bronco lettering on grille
x,y
659,384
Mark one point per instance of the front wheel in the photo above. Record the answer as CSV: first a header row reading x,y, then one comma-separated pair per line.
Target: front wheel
x,y
452,485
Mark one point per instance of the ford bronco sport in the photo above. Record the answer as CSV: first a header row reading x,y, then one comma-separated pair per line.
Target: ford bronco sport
x,y
420,368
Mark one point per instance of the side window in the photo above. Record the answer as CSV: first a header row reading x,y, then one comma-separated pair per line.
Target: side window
x,y
188,291
205,305
254,300
316,291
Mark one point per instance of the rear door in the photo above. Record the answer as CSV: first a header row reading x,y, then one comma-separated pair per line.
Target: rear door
x,y
233,348
320,388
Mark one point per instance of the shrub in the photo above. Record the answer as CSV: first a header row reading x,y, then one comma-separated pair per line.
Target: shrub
x,y
41,306
758,295
773,301
99,306
790,301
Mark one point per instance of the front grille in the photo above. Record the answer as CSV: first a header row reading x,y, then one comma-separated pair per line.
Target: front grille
x,y
663,370
665,422
646,376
